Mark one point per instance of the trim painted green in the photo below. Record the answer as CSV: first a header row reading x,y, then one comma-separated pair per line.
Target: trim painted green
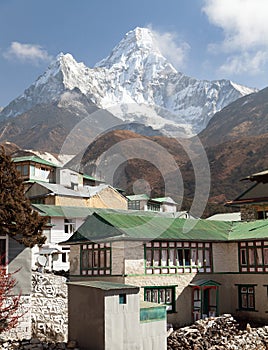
x,y
34,159
240,294
152,314
172,246
173,295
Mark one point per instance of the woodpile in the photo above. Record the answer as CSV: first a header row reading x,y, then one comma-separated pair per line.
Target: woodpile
x,y
218,333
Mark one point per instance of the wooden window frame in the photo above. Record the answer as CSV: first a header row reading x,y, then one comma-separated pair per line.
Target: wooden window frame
x,y
179,257
96,259
253,256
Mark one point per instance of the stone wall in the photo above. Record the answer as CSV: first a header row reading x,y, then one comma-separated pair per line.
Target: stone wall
x,y
225,257
23,329
49,307
248,213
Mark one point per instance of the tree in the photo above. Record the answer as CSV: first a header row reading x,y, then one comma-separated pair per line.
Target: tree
x,y
17,218
9,304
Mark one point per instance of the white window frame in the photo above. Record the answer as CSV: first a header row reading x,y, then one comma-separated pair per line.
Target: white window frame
x,y
70,223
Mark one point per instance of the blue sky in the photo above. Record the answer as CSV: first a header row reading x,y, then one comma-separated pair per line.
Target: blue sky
x,y
205,39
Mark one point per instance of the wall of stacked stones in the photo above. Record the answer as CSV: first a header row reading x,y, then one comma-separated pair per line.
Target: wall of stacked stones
x,y
49,307
44,313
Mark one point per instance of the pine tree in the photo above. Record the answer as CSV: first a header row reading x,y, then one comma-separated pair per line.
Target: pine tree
x,y
17,218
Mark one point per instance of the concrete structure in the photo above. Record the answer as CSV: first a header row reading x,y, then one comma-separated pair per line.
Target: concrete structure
x,y
226,217
18,258
63,222
109,316
144,202
188,270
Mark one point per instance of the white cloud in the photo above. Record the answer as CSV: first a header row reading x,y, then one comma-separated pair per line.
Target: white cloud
x,y
27,53
249,63
245,27
174,50
244,22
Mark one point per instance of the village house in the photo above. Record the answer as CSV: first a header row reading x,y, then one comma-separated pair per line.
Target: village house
x,y
188,265
65,197
144,202
253,203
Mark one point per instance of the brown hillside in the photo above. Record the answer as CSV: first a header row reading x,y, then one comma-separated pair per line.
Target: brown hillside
x,y
245,117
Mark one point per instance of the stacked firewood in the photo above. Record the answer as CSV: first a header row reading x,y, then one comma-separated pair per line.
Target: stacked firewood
x,y
218,333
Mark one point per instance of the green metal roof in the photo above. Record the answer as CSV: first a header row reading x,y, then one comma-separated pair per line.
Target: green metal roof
x,y
34,159
105,226
204,283
251,230
103,285
138,197
88,177
61,211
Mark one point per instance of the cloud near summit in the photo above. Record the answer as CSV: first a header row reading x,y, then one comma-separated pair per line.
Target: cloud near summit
x,y
245,25
171,47
27,53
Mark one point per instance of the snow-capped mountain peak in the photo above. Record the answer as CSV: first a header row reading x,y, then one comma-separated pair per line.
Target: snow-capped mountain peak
x,y
138,46
135,73
66,70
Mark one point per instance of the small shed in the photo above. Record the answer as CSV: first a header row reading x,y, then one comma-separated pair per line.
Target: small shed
x,y
108,316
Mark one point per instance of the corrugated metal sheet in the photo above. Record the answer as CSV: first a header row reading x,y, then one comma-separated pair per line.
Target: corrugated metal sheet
x,y
104,285
138,197
252,230
59,211
34,159
106,226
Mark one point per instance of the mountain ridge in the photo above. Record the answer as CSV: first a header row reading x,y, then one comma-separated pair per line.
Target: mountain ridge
x,y
136,83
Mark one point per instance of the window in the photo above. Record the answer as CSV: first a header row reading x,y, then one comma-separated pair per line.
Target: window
x,y
262,215
253,256
133,205
38,200
96,259
3,252
153,206
246,294
122,298
177,257
161,295
64,257
23,169
69,226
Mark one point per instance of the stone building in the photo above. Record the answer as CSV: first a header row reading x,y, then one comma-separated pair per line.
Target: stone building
x,y
144,202
253,203
191,266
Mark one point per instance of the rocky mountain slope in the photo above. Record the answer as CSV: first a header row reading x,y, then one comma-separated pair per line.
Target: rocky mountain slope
x,y
247,116
136,83
146,165
66,125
